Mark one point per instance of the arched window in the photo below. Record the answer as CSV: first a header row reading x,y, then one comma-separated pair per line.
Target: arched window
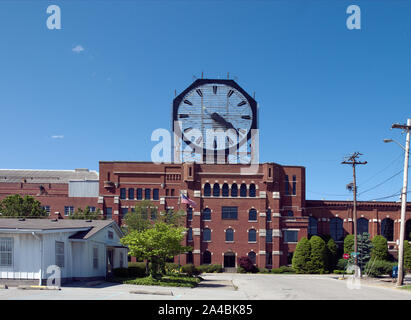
x,y
252,190
312,226
362,226
252,255
225,191
216,190
243,190
207,190
190,257
252,215
387,229
206,214
234,190
206,234
206,257
229,235
252,235
408,230
336,229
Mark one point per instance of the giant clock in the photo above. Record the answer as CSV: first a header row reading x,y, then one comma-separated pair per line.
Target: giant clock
x,y
218,105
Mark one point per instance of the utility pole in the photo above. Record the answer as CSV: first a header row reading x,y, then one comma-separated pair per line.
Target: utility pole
x,y
352,161
406,128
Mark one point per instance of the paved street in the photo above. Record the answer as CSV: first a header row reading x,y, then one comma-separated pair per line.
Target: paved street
x,y
224,286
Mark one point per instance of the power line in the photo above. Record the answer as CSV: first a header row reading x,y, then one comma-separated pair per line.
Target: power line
x,y
381,183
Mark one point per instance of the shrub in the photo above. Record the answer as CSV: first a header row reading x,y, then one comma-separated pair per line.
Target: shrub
x,y
379,249
172,267
120,272
210,268
349,244
301,257
331,254
241,270
264,270
137,269
283,269
407,256
342,272
376,268
247,264
318,255
190,270
342,264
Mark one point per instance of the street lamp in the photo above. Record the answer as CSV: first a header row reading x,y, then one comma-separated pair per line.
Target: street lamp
x,y
407,129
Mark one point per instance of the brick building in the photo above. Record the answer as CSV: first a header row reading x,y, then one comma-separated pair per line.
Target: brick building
x,y
61,192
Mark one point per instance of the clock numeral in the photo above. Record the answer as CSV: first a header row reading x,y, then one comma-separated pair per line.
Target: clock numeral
x,y
230,93
199,92
242,117
242,103
183,115
215,89
230,141
198,141
188,129
188,102
242,131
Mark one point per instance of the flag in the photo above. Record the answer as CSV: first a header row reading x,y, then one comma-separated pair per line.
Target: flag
x,y
186,200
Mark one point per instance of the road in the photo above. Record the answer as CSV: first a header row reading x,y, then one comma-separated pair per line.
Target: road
x,y
224,287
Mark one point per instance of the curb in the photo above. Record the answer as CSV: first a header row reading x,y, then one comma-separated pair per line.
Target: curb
x,y
94,283
160,293
22,287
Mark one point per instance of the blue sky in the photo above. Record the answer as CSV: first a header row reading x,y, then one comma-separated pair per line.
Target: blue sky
x,y
324,91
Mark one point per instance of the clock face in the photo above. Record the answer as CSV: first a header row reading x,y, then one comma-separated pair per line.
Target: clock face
x,y
217,108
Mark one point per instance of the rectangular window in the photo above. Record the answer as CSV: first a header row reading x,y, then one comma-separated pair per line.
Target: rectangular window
x,y
290,235
60,254
109,213
122,193
294,185
155,194
190,234
229,213
287,186
124,211
268,214
139,194
110,234
147,194
92,209
95,257
172,192
121,259
190,214
68,210
6,252
47,209
269,235
131,193
166,192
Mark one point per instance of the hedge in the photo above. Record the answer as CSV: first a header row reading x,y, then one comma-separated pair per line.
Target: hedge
x,y
190,270
210,268
376,268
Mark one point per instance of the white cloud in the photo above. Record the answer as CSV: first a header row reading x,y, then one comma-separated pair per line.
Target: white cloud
x,y
57,137
77,49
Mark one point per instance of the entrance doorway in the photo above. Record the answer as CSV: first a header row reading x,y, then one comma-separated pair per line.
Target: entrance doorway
x,y
229,260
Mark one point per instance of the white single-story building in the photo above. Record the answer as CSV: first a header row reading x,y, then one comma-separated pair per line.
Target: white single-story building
x,y
82,249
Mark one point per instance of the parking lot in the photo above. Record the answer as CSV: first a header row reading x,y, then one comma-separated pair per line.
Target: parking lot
x,y
224,287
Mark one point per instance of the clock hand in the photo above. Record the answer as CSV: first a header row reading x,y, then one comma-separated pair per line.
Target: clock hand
x,y
216,117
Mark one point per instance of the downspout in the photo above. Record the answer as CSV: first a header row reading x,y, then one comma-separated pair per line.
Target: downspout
x,y
41,255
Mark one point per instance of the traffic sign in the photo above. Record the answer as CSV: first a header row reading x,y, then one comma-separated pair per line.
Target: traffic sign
x,y
346,256
354,254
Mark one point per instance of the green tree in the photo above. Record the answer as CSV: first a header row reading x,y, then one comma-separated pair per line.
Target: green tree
x,y
156,244
139,219
379,249
318,255
17,206
407,256
332,254
173,218
86,214
364,249
301,258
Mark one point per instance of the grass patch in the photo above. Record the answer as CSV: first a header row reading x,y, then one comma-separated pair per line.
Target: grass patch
x,y
407,287
165,281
